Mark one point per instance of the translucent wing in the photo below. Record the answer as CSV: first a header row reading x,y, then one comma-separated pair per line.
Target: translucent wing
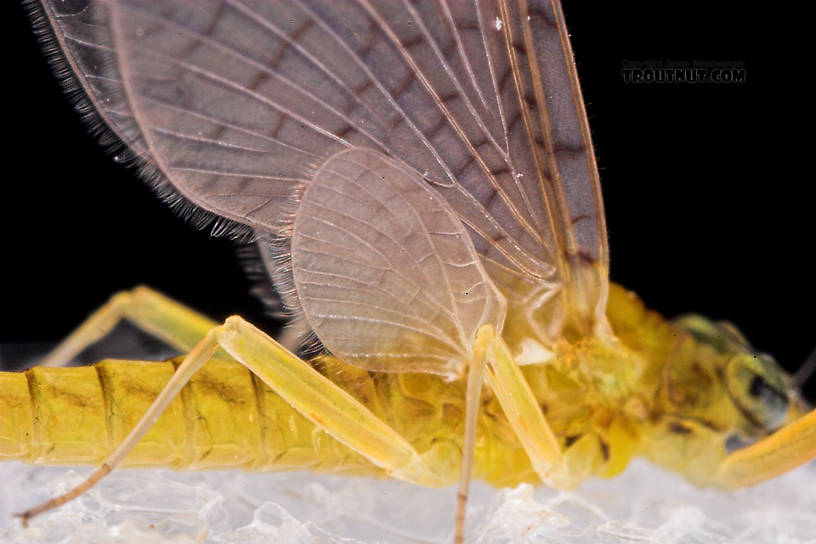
x,y
82,31
78,36
242,102
387,275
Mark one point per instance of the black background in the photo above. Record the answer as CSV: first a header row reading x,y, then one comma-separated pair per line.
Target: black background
x,y
706,187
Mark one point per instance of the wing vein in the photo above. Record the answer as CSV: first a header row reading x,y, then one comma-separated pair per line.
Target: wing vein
x,y
455,80
207,74
225,124
453,123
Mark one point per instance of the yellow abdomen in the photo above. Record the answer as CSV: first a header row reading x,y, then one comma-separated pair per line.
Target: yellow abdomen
x,y
227,418
224,418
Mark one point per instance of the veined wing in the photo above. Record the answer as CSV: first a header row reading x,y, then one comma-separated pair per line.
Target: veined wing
x,y
77,36
81,34
241,102
386,273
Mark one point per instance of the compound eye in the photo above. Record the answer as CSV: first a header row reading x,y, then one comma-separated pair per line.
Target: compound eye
x,y
756,387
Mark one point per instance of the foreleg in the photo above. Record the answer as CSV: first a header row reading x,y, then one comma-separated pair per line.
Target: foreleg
x,y
791,446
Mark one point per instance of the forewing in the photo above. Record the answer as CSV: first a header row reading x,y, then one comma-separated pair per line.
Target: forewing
x,y
386,274
82,34
240,103
557,125
78,37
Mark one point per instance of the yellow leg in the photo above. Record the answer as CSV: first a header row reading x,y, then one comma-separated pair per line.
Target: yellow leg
x,y
525,416
149,310
474,392
309,392
791,446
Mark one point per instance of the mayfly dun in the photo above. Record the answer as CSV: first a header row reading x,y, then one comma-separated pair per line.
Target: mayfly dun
x,y
422,190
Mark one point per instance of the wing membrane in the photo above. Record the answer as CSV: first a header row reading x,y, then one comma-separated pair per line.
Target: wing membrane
x,y
387,276
568,147
240,103
83,31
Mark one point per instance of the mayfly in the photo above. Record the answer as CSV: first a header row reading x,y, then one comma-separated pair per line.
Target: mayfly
x,y
422,189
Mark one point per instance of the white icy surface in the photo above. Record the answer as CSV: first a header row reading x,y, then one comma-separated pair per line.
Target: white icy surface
x,y
645,504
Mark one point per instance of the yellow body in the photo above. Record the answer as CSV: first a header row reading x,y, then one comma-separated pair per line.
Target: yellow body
x,y
656,392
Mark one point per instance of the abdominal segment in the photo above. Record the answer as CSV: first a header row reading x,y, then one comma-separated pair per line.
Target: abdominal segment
x,y
223,418
227,418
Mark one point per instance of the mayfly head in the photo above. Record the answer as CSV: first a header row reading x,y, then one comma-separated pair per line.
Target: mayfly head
x,y
756,385
753,382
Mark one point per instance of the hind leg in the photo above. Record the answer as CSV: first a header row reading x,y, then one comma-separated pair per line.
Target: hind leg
x,y
295,381
149,310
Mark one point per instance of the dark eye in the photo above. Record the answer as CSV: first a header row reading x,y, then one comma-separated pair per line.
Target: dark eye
x,y
757,389
760,388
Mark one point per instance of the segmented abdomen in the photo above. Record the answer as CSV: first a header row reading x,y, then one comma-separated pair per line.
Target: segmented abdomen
x,y
223,418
